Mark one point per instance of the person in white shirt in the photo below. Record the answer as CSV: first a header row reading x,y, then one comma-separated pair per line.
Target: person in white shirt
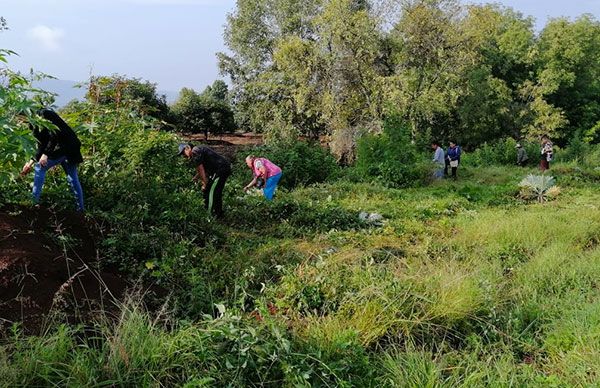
x,y
439,159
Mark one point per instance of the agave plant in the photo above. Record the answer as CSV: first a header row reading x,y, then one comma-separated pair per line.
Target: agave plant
x,y
539,187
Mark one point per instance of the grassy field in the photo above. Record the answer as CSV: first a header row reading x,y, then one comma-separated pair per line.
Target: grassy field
x,y
463,285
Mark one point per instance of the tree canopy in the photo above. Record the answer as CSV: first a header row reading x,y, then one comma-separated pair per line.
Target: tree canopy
x,y
474,73
205,112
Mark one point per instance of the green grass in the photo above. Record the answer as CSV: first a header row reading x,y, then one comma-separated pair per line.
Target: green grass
x,y
464,285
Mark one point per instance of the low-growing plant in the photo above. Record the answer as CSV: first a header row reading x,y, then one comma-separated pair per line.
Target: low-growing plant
x,y
539,187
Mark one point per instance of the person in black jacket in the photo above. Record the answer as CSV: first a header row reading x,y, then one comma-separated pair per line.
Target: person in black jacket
x,y
56,146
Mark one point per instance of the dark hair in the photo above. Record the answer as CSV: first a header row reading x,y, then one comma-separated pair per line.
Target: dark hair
x,y
435,142
53,117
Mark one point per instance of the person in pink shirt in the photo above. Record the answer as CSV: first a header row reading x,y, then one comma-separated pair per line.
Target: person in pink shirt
x,y
266,175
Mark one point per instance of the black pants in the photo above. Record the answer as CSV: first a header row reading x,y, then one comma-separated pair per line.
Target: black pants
x,y
213,194
454,169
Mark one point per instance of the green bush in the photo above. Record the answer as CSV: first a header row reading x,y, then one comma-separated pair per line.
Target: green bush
x,y
391,157
501,152
303,163
580,152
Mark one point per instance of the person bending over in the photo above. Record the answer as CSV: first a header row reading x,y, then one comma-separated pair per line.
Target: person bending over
x,y
55,146
266,175
212,170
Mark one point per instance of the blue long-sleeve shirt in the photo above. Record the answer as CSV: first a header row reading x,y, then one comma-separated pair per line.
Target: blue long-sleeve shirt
x,y
439,157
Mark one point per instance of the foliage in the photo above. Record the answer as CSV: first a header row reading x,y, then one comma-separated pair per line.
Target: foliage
x,y
539,187
19,102
569,70
230,350
390,157
474,73
201,113
304,69
501,153
117,89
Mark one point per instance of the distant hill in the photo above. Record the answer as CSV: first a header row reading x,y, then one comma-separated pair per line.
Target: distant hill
x,y
68,90
65,90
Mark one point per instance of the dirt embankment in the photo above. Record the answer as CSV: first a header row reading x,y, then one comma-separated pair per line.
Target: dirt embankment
x,y
49,270
228,145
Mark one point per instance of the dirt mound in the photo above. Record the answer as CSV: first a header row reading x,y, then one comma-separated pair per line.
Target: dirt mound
x,y
49,269
227,139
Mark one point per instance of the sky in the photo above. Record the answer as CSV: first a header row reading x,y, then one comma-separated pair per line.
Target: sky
x,y
170,42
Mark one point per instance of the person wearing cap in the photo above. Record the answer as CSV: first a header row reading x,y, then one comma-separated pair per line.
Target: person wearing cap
x,y
55,146
212,170
266,175
521,155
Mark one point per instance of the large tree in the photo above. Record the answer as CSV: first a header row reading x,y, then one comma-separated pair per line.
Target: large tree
x,y
117,88
204,112
475,73
569,70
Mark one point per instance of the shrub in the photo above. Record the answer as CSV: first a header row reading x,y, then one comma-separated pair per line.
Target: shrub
x,y
303,163
391,156
501,152
581,153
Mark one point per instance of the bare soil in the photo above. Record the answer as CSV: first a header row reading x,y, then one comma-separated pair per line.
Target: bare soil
x,y
231,144
228,145
49,270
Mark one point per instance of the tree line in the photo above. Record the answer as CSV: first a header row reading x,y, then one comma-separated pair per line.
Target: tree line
x,y
473,73
193,112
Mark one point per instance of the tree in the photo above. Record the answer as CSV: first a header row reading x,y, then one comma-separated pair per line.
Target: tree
x,y
474,73
251,34
116,88
308,70
569,71
491,106
218,90
203,112
432,54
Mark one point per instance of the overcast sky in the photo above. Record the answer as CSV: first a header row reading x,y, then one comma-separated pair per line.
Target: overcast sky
x,y
171,42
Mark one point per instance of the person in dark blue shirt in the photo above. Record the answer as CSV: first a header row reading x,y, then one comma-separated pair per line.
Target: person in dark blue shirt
x,y
452,159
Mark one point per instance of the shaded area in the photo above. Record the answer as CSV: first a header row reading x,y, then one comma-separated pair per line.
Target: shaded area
x,y
49,264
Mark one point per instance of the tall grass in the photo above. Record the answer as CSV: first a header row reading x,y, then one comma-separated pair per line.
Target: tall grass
x,y
464,285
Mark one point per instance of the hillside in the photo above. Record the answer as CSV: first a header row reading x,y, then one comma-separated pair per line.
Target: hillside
x,y
464,284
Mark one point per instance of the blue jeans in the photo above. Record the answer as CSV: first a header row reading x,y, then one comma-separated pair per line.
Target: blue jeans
x,y
72,178
270,186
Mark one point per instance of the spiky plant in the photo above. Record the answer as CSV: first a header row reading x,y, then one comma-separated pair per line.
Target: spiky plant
x,y
539,187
